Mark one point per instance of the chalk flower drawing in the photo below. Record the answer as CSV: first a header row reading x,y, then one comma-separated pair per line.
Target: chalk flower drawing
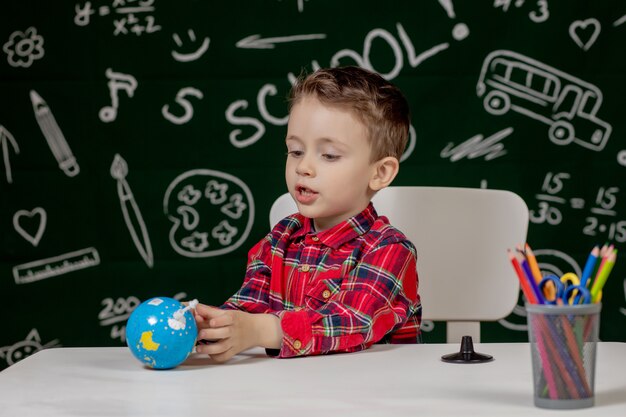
x,y
23,48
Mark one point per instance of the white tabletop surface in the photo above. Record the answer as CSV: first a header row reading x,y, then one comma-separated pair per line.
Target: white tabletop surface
x,y
386,380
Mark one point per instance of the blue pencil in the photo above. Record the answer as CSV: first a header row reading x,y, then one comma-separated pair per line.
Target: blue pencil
x,y
588,270
531,280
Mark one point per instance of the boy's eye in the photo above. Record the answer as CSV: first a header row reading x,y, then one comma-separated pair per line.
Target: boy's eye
x,y
295,154
330,157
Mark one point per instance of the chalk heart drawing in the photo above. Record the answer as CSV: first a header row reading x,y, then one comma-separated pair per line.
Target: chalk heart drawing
x,y
588,29
211,212
29,218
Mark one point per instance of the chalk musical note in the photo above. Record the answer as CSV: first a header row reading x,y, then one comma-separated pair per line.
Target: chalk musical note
x,y
56,141
117,81
131,212
6,139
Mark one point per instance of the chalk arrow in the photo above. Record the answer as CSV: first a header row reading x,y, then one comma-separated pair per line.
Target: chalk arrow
x,y
7,139
256,42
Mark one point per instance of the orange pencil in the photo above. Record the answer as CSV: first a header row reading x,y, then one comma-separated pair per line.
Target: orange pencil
x,y
528,292
532,262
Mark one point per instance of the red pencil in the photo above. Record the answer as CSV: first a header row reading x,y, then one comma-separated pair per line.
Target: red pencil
x,y
528,292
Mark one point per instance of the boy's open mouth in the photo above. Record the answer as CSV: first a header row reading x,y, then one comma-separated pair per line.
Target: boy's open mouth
x,y
304,191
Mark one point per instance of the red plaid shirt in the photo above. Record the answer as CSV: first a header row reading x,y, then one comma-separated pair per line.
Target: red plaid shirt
x,y
339,290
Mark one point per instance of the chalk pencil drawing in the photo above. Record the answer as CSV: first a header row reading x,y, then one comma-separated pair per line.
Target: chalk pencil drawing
x,y
57,265
621,158
578,31
477,146
182,101
117,81
212,213
24,348
36,213
24,48
8,143
568,105
51,131
193,55
619,21
130,210
256,42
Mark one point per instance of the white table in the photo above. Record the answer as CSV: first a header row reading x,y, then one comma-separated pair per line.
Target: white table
x,y
386,380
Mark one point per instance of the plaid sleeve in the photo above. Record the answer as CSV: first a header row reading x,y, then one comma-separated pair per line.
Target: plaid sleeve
x,y
377,297
253,296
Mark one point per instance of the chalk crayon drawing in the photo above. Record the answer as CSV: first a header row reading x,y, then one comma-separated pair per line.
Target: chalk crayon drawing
x,y
211,213
568,105
54,136
24,348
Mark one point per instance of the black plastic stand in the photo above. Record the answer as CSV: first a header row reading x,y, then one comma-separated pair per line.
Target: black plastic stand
x,y
466,354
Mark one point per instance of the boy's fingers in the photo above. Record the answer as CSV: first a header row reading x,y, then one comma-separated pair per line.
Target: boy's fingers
x,y
222,320
208,312
214,348
214,334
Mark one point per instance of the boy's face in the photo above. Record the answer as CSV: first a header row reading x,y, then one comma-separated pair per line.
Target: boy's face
x,y
328,166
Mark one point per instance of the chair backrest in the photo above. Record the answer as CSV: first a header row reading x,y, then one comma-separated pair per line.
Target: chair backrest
x,y
461,236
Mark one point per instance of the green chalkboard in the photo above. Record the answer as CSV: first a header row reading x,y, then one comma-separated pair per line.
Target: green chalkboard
x,y
142,140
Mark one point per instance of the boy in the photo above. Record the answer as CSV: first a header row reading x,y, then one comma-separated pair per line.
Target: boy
x,y
334,277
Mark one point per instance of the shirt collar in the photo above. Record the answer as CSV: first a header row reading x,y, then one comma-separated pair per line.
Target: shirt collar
x,y
341,233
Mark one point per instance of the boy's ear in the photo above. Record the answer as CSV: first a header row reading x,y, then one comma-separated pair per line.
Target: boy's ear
x,y
385,170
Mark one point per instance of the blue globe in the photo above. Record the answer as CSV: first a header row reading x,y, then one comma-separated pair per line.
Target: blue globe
x,y
161,332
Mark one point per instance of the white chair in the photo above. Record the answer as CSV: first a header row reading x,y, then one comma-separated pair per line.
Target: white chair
x,y
461,236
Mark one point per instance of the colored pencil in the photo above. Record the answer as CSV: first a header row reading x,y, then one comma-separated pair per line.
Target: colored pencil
x,y
531,280
532,262
528,292
602,276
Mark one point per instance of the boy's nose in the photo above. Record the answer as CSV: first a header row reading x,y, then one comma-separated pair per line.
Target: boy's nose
x,y
305,168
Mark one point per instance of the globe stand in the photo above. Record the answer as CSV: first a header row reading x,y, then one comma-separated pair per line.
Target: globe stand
x,y
466,354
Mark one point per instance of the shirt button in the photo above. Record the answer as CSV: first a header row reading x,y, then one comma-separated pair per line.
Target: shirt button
x,y
326,293
315,239
305,268
297,345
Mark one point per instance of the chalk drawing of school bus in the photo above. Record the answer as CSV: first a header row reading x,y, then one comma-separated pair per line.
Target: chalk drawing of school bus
x,y
511,81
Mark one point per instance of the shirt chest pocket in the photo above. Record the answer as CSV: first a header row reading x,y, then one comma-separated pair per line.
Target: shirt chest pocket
x,y
322,292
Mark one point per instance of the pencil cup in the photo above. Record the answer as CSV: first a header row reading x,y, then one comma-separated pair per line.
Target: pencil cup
x,y
563,349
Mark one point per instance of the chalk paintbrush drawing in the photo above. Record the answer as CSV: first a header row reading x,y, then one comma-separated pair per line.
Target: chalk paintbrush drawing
x,y
130,210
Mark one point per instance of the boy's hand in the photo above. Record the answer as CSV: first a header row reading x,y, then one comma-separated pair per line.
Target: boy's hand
x,y
233,331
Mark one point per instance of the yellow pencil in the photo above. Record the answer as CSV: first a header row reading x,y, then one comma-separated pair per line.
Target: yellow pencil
x,y
603,274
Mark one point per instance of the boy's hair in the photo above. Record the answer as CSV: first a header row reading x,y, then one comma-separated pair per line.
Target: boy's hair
x,y
377,103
